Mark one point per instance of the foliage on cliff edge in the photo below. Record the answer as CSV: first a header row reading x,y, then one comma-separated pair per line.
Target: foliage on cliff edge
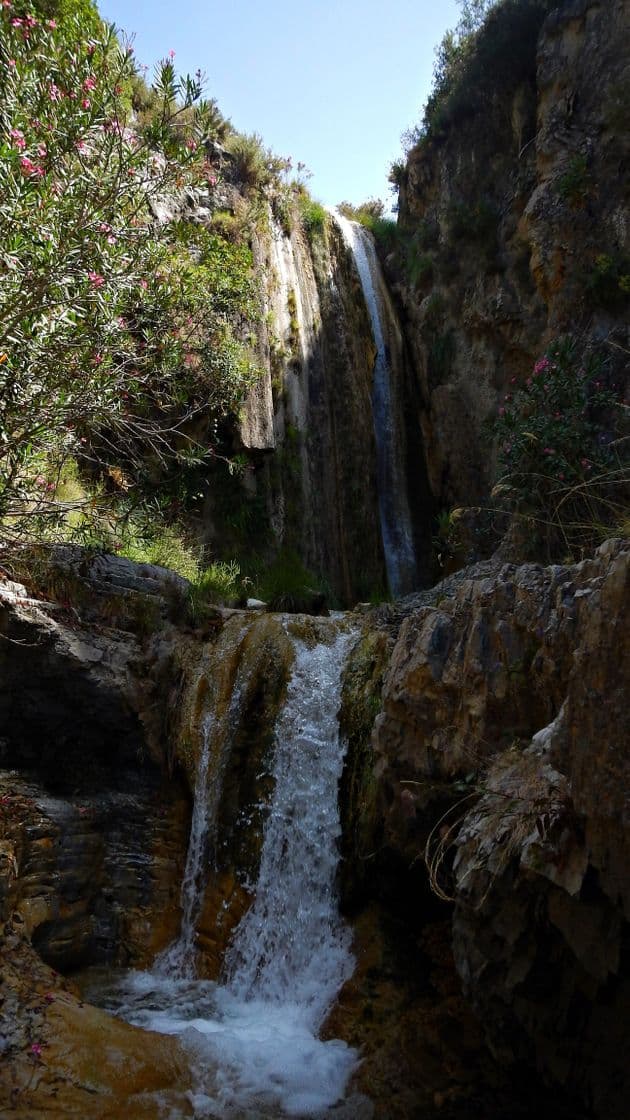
x,y
118,341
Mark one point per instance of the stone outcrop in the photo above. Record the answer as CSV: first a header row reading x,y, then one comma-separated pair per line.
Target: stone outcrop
x,y
501,754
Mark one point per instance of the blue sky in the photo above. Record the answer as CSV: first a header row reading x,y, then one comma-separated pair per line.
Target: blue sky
x,y
333,83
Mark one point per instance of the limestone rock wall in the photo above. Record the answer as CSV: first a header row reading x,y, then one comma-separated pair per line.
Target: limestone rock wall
x,y
515,221
501,754
306,435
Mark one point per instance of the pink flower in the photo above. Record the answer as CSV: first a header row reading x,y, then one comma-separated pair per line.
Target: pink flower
x,y
96,280
36,1049
18,138
89,84
27,167
501,411
42,150
12,62
212,179
54,92
52,23
171,53
529,381
97,359
81,147
542,365
85,104
548,451
561,476
15,22
144,285
191,145
111,240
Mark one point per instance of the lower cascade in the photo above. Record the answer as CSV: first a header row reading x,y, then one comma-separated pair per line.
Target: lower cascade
x,y
252,1037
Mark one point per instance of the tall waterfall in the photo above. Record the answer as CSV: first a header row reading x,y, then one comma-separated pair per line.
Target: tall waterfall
x,y
253,1038
395,516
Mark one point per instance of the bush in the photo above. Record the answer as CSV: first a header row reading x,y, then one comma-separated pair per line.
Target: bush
x,y
563,452
314,216
574,182
491,52
254,166
288,586
217,585
115,337
608,284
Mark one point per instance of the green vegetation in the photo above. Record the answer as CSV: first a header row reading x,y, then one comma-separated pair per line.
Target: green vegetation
x,y
491,51
564,460
573,185
608,284
117,349
286,585
313,215
217,585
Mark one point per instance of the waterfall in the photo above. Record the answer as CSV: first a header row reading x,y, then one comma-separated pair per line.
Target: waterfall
x,y
291,946
179,959
253,1038
394,512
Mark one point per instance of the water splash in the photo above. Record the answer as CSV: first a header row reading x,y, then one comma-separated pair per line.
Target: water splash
x,y
394,511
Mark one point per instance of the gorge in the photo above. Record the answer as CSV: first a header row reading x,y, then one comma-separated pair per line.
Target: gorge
x,y
264,859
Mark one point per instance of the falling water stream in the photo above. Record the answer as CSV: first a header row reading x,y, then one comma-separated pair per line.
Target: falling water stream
x,y
253,1038
394,512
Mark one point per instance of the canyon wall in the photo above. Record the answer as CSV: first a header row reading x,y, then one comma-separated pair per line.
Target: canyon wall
x,y
513,228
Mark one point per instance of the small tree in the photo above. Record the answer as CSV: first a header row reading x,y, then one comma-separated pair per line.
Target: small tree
x,y
113,334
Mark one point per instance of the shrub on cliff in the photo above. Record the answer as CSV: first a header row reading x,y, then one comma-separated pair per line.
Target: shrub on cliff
x,y
491,51
116,342
564,446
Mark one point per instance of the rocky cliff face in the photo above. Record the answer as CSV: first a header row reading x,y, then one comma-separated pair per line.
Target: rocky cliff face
x,y
500,756
307,434
486,722
515,228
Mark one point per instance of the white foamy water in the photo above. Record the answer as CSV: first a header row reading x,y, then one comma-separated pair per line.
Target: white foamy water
x,y
394,512
253,1037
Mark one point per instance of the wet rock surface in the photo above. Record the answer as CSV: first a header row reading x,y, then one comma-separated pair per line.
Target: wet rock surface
x,y
489,714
